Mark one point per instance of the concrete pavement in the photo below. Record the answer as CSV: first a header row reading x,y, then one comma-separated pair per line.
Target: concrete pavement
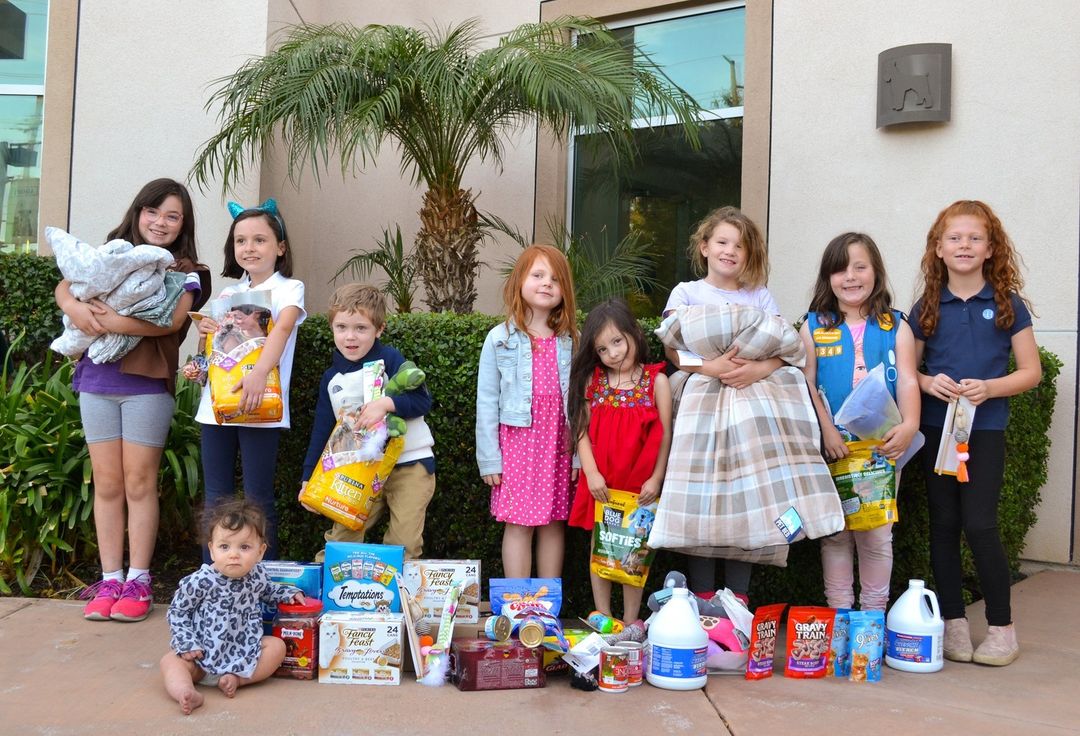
x,y
62,675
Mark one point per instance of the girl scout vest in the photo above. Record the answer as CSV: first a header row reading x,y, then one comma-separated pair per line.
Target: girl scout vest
x,y
835,352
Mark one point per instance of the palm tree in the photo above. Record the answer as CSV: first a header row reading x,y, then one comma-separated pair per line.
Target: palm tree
x,y
444,100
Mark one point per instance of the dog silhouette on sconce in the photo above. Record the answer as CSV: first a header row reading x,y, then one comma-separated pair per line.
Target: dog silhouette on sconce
x,y
901,82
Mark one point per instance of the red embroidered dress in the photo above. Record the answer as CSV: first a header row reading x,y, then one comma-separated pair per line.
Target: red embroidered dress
x,y
625,431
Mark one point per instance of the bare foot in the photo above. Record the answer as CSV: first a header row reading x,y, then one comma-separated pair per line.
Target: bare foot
x,y
228,684
190,700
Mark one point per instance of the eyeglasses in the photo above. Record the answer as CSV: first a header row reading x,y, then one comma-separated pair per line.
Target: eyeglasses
x,y
248,309
153,214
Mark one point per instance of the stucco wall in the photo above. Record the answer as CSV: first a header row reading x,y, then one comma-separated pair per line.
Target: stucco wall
x,y
1013,142
139,106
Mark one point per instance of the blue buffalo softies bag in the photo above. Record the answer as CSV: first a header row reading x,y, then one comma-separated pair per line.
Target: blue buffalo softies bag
x,y
866,634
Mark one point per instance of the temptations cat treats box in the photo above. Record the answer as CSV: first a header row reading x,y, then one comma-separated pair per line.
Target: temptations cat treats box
x,y
361,577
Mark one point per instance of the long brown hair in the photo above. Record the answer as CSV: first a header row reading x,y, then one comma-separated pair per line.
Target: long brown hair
x,y
756,269
1001,269
563,319
835,259
614,312
153,194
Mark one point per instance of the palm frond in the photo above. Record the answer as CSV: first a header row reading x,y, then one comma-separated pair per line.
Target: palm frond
x,y
389,255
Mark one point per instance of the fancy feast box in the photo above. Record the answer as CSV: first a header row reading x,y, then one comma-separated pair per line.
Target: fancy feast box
x,y
361,577
360,648
428,581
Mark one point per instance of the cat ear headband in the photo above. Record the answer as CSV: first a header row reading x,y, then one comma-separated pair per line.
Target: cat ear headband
x,y
269,207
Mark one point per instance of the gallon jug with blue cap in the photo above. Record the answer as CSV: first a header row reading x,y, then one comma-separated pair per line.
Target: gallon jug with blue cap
x,y
915,631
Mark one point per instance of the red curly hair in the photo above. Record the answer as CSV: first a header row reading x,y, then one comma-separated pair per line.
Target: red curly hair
x,y
563,319
1001,269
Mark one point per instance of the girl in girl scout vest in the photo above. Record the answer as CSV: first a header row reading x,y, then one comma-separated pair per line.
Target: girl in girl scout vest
x,y
851,328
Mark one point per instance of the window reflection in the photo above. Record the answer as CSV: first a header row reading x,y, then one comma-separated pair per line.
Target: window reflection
x,y
671,186
22,78
666,193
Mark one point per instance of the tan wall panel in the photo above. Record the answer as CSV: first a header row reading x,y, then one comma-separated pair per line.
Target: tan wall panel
x,y
59,103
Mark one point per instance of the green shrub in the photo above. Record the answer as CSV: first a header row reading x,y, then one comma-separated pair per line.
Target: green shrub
x,y
27,306
447,347
44,470
39,414
45,473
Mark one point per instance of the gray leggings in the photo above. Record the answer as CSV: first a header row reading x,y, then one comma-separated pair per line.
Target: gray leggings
x,y
142,419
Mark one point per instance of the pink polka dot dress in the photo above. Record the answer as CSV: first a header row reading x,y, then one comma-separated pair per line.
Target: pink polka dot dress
x,y
535,488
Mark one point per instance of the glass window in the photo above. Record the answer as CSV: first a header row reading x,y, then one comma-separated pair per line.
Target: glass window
x,y
22,41
22,87
20,164
671,186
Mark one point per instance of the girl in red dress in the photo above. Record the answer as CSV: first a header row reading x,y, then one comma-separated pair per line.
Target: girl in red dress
x,y
620,418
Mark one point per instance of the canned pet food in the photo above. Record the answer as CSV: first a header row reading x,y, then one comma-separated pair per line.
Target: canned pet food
x,y
531,631
635,664
613,677
497,628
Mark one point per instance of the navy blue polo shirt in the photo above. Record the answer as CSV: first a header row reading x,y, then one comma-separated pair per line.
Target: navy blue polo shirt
x,y
968,344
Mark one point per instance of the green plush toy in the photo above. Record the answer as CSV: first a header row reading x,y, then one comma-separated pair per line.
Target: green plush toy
x,y
407,378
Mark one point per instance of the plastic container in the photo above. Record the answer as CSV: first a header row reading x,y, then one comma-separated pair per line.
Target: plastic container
x,y
677,646
915,631
297,624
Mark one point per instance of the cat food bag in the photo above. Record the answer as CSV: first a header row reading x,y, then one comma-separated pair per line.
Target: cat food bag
x,y
763,632
620,529
809,636
243,324
839,664
517,597
866,482
355,463
866,633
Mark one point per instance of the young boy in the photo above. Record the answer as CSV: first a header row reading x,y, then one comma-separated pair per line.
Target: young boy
x,y
357,317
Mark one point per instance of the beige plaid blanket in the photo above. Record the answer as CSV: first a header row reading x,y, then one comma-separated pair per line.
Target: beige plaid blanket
x,y
741,458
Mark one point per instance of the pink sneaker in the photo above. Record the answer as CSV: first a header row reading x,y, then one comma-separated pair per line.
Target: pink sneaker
x,y
136,600
103,595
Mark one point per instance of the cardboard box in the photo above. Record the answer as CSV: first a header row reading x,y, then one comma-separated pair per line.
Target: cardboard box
x,y
428,580
479,664
360,648
362,577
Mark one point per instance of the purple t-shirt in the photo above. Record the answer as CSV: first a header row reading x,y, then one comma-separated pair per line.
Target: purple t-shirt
x,y
106,378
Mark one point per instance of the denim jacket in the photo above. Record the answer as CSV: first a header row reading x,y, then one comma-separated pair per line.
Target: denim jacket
x,y
504,389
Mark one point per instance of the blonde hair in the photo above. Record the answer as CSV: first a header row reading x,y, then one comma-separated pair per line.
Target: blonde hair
x,y
362,298
756,269
563,319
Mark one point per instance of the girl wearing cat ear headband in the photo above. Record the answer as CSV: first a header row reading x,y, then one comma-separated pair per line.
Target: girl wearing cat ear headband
x,y
258,253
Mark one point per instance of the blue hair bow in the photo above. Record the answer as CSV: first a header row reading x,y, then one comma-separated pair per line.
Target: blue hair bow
x,y
269,207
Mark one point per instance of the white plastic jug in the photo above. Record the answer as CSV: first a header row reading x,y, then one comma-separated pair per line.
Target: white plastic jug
x,y
915,631
677,645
